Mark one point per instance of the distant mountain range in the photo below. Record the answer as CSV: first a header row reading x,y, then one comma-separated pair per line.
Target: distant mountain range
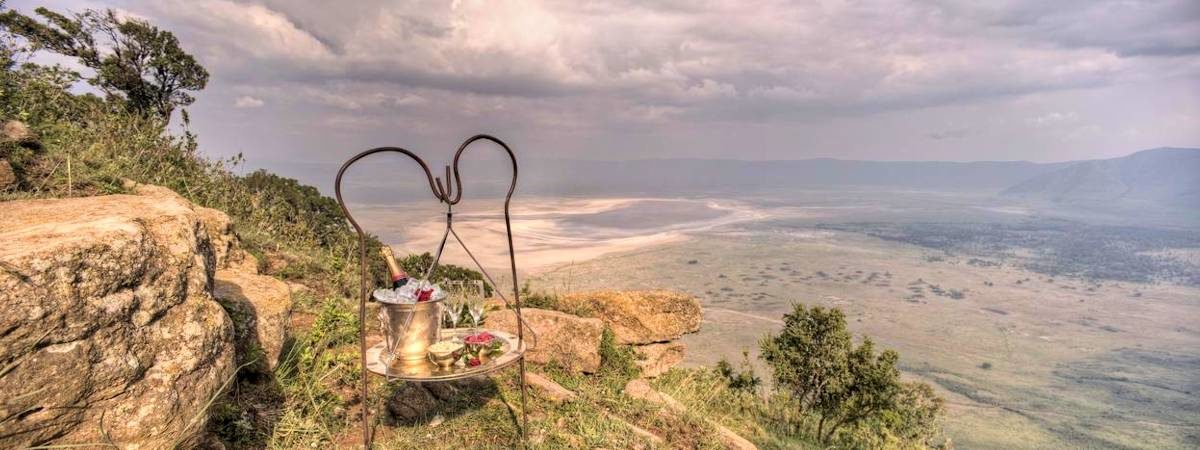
x,y
1169,176
1165,175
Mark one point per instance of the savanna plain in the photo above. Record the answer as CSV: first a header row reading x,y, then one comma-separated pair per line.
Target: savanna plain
x,y
1042,325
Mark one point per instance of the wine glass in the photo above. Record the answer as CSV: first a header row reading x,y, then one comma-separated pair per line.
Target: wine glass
x,y
475,302
455,302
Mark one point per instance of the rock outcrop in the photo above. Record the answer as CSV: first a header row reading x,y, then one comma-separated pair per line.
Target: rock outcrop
x,y
566,340
112,334
261,308
650,321
260,305
220,232
110,330
639,317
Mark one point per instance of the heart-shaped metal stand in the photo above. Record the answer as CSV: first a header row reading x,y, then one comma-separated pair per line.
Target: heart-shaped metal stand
x,y
448,194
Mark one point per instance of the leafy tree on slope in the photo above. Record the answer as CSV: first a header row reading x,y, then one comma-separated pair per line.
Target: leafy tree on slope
x,y
133,60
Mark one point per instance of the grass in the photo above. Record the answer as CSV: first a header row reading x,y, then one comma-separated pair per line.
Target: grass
x,y
765,422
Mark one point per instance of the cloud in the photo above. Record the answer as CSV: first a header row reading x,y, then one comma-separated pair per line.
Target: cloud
x,y
1052,118
596,70
776,56
948,134
247,101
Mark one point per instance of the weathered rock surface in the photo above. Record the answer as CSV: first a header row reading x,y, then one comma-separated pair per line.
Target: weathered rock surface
x,y
220,232
411,402
260,307
569,341
110,333
658,358
640,389
640,317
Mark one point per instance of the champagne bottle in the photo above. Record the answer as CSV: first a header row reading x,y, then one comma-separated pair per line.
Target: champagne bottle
x,y
399,278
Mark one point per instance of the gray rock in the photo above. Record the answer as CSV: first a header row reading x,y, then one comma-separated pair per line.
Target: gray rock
x,y
410,402
111,332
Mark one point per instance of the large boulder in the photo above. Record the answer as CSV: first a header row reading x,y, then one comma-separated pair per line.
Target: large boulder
x,y
110,332
639,317
569,341
261,308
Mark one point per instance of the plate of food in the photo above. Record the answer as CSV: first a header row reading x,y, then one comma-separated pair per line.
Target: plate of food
x,y
458,353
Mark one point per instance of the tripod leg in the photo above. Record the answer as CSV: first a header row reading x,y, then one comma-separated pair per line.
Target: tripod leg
x,y
524,406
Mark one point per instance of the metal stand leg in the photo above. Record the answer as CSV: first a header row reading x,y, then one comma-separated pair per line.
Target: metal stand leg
x,y
450,195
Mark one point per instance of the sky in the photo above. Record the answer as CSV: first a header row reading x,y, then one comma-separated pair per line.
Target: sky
x,y
308,81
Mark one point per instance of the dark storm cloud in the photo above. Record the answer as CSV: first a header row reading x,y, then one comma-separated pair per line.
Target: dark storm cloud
x,y
651,75
696,59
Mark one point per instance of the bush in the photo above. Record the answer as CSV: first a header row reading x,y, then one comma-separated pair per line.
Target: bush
x,y
618,363
417,265
743,379
855,393
539,300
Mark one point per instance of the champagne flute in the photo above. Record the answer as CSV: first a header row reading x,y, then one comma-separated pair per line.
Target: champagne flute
x,y
454,303
476,303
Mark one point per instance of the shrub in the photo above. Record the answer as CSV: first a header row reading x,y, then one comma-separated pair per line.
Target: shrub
x,y
417,265
743,379
618,363
538,299
851,389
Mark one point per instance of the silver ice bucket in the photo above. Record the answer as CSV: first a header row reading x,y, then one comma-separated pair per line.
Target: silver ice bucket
x,y
408,330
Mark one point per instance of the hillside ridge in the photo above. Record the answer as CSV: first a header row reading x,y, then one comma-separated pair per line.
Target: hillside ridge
x,y
1165,175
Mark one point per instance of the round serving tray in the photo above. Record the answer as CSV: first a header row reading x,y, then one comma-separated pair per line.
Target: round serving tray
x,y
428,371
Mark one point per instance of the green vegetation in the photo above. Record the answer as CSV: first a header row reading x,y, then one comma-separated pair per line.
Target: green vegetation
x,y
617,362
136,64
417,265
854,394
742,379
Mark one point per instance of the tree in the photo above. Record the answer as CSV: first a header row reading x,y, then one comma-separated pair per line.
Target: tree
x,y
133,60
809,356
846,386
